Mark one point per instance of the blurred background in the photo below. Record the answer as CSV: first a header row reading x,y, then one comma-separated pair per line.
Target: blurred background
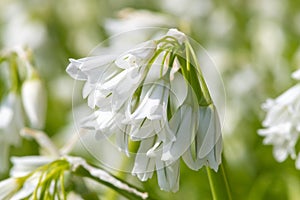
x,y
255,46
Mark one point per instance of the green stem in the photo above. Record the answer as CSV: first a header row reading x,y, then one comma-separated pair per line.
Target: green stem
x,y
211,183
226,181
219,184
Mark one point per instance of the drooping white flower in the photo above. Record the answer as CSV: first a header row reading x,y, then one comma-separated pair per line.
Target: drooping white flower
x,y
168,175
34,101
207,143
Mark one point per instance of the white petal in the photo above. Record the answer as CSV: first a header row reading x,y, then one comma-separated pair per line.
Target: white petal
x,y
144,51
122,140
157,69
209,130
74,71
280,153
181,37
182,121
179,91
93,62
144,165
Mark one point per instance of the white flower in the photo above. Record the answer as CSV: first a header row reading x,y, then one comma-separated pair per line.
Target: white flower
x,y
91,70
184,119
168,175
146,95
207,143
110,79
35,102
282,123
284,139
10,124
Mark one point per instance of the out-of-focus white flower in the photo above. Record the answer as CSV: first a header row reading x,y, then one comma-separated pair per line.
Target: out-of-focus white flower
x,y
34,101
282,123
147,95
20,28
139,20
11,121
196,8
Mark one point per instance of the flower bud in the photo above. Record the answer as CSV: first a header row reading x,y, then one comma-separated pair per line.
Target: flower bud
x,y
35,102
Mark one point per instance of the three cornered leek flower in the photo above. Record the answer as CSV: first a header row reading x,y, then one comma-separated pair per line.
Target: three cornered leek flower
x,y
282,124
155,95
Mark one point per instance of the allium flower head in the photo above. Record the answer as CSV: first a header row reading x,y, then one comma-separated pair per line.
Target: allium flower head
x,y
153,94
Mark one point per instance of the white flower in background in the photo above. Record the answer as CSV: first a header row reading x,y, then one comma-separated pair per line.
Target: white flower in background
x,y
130,19
20,28
10,124
34,101
145,95
282,123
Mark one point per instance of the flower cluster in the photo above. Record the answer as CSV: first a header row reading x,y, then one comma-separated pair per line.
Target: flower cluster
x,y
282,123
153,94
25,92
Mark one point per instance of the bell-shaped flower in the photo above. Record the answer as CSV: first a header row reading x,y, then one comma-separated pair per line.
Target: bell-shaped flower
x,y
185,118
34,98
168,175
206,148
